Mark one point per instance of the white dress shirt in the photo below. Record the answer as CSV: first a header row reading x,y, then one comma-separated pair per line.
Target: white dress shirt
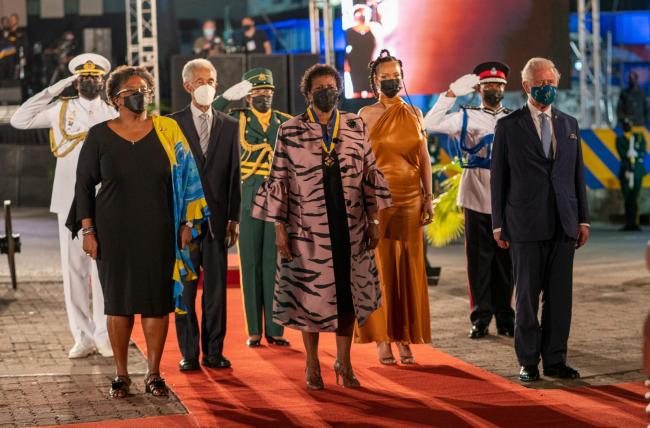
x,y
196,115
535,112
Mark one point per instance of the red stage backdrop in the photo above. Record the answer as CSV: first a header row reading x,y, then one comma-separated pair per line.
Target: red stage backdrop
x,y
440,40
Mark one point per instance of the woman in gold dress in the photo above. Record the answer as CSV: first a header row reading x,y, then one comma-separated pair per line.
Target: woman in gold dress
x,y
399,142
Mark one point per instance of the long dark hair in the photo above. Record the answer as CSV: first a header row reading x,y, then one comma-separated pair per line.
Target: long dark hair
x,y
384,56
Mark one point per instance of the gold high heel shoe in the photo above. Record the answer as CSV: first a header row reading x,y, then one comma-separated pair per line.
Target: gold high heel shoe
x,y
405,354
349,379
315,383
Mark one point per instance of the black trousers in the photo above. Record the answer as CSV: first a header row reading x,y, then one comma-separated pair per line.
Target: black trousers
x,y
546,268
489,272
212,256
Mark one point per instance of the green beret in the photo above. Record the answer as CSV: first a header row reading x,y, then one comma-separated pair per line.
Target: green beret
x,y
260,78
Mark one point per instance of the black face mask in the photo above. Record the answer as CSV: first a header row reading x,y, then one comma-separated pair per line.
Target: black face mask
x,y
135,102
90,89
262,103
492,97
247,27
325,99
390,87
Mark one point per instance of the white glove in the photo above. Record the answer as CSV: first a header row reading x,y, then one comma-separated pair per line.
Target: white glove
x,y
464,85
59,86
238,91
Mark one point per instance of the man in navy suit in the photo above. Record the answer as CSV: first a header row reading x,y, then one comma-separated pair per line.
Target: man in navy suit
x,y
540,212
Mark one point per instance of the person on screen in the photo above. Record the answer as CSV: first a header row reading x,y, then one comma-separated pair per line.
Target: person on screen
x,y
489,270
360,47
398,139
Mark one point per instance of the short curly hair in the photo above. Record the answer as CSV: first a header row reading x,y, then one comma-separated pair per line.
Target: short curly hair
x,y
318,70
121,74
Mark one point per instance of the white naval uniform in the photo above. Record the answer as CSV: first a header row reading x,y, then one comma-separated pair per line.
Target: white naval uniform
x,y
474,190
489,271
88,326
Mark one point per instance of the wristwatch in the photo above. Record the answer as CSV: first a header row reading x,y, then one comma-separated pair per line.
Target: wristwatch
x,y
189,224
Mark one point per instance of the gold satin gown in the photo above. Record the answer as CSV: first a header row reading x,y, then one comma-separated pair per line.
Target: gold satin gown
x,y
404,315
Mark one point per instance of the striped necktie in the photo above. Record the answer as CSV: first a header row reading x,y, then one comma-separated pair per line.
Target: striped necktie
x,y
204,133
545,127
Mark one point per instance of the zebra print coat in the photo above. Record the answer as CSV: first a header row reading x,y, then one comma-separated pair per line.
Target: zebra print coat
x,y
305,292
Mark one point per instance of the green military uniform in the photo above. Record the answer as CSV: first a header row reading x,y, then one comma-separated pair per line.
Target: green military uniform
x,y
257,252
631,148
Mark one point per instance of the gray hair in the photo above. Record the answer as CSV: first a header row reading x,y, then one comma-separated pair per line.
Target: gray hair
x,y
190,66
535,64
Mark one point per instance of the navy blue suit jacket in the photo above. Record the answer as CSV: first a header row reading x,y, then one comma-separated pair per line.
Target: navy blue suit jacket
x,y
531,192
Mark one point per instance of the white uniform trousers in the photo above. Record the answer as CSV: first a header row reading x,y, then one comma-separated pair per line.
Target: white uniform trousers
x,y
80,283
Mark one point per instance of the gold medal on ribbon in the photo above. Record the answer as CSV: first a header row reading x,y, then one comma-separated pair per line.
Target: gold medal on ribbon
x,y
328,146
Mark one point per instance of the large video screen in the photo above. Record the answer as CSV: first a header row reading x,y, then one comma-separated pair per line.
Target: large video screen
x,y
440,40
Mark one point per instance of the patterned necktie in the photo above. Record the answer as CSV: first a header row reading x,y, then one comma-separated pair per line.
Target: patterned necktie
x,y
204,134
545,127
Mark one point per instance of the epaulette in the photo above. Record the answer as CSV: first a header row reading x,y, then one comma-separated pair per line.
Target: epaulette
x,y
283,114
468,107
506,110
236,109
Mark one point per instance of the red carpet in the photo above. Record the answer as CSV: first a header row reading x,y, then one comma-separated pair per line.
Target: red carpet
x,y
266,387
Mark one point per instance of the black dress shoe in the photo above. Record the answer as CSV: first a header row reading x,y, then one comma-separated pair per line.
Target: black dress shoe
x,y
188,365
528,373
561,371
508,331
278,342
478,331
216,362
253,343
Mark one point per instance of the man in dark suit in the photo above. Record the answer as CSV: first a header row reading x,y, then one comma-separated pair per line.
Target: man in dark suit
x,y
214,139
540,212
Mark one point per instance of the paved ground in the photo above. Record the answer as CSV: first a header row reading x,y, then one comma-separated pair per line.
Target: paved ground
x,y
39,385
611,296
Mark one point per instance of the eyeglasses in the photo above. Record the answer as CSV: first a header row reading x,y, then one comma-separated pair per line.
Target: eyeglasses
x,y
131,91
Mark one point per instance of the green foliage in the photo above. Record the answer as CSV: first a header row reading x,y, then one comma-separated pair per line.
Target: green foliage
x,y
448,220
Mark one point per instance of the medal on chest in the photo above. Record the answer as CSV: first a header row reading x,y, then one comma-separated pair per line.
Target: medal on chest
x,y
329,140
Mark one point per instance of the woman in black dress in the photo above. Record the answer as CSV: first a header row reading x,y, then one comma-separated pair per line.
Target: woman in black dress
x,y
129,227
